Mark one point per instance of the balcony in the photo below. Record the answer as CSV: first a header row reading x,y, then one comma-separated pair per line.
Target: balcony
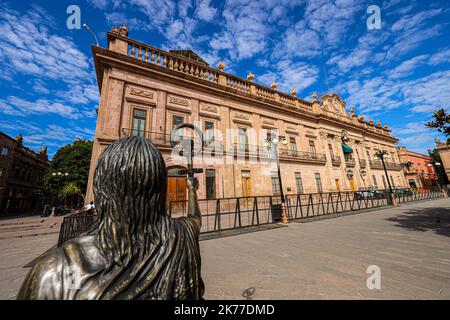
x,y
162,140
362,163
335,160
350,162
377,164
304,156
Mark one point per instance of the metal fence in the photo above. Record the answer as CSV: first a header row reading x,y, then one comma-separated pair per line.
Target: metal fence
x,y
231,213
74,225
316,204
241,212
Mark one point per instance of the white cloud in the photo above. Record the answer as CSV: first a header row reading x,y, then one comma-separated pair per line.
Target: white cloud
x,y
20,107
205,11
407,66
440,57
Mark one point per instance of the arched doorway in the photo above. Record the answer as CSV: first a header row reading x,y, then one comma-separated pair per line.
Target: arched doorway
x,y
176,190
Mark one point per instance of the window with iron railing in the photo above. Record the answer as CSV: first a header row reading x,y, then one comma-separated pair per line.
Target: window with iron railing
x,y
139,120
209,133
293,146
243,139
312,147
177,120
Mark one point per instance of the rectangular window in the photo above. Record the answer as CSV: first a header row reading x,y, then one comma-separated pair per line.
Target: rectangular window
x,y
293,144
330,147
210,184
384,182
312,147
318,183
275,184
392,182
243,139
375,181
209,133
176,120
298,182
5,151
139,120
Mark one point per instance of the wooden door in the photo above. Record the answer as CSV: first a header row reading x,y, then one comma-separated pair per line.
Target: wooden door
x,y
338,187
353,184
176,191
246,187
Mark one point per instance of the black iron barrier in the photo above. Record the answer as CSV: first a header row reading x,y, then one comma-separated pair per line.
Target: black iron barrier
x,y
241,212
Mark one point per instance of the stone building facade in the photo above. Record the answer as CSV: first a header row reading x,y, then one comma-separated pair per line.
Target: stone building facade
x,y
444,151
147,91
21,176
420,173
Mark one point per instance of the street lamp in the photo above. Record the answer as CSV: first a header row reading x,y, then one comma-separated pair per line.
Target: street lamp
x,y
93,34
268,143
381,155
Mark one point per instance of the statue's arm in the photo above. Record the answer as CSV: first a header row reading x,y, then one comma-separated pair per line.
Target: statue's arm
x,y
193,208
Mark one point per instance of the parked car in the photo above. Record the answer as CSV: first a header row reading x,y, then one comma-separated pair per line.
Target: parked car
x,y
369,194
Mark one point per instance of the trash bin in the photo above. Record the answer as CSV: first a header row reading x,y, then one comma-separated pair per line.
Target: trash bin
x,y
276,212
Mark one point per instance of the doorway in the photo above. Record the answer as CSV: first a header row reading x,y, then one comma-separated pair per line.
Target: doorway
x,y
353,184
246,186
176,191
338,187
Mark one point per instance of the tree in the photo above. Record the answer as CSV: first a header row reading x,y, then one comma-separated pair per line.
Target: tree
x,y
73,159
71,189
441,122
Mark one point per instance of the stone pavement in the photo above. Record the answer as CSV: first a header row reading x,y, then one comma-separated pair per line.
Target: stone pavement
x,y
324,259
21,241
328,259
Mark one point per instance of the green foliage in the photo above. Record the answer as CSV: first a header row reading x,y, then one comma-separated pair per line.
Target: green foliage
x,y
441,122
70,189
73,159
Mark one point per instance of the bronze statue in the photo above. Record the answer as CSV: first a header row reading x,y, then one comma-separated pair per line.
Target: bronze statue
x,y
135,250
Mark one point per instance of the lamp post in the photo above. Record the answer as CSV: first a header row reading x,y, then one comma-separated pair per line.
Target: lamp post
x,y
274,141
380,155
92,32
60,176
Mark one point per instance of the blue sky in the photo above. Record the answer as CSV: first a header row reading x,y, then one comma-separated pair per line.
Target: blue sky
x,y
398,74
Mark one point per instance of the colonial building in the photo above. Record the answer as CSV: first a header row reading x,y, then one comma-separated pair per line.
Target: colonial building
x,y
148,91
444,151
418,169
21,176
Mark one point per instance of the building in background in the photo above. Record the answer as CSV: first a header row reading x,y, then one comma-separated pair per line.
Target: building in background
x,y
444,152
147,91
420,171
21,176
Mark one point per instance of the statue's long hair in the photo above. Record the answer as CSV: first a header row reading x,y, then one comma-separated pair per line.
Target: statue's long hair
x,y
130,184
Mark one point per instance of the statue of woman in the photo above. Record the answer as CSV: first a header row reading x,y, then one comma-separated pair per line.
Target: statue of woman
x,y
135,250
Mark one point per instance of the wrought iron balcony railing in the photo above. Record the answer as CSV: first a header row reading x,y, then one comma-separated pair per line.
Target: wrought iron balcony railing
x,y
362,163
350,162
336,160
236,149
377,164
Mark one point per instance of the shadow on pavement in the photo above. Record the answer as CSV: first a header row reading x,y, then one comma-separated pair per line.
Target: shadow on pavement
x,y
425,219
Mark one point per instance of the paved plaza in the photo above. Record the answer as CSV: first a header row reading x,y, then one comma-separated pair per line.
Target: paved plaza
x,y
324,259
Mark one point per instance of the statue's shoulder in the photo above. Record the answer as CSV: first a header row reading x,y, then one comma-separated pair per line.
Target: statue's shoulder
x,y
45,279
